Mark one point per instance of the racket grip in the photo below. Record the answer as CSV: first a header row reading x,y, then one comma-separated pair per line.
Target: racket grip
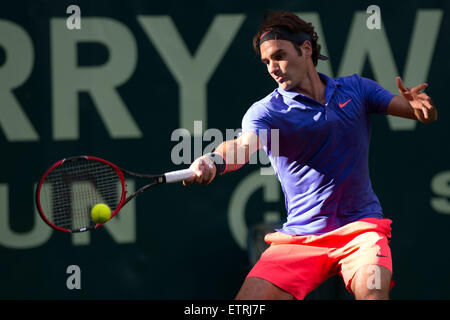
x,y
178,175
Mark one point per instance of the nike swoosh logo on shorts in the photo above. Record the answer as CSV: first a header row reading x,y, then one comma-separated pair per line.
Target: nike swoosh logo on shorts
x,y
343,104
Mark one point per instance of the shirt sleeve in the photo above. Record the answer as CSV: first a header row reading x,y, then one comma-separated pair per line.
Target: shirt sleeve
x,y
377,98
255,119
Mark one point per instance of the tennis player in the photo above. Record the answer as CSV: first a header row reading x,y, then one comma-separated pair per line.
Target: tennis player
x,y
335,224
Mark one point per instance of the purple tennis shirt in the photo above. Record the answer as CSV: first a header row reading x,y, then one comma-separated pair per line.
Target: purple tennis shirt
x,y
322,152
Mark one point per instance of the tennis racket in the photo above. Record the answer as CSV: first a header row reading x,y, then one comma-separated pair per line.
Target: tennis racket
x,y
70,188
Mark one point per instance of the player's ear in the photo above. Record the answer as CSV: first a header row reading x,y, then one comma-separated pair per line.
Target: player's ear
x,y
306,48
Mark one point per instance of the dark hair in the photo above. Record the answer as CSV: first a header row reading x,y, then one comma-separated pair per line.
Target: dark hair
x,y
290,21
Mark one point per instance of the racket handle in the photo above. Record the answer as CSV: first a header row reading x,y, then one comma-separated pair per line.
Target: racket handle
x,y
178,175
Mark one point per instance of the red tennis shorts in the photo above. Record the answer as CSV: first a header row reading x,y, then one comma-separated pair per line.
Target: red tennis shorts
x,y
299,264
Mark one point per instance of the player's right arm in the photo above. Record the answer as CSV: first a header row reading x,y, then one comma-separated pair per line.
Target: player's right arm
x,y
235,154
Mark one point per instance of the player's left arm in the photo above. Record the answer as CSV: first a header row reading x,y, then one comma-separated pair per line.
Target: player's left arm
x,y
413,104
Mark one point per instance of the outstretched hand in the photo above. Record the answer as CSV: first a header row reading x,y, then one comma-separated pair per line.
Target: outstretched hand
x,y
418,100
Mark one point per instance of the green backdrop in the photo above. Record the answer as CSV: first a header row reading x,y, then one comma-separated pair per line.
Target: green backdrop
x,y
136,71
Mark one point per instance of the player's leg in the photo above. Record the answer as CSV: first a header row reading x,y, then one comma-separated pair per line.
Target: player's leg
x,y
365,260
259,289
372,282
288,269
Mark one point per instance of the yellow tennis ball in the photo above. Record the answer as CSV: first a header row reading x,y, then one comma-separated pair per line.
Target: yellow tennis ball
x,y
100,213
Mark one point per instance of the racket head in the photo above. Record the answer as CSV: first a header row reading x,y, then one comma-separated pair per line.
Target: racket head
x,y
70,188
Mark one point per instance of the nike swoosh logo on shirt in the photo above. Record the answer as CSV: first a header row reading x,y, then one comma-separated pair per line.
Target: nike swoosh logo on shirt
x,y
343,104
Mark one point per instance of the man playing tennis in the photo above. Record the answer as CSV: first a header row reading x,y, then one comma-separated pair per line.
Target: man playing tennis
x,y
335,223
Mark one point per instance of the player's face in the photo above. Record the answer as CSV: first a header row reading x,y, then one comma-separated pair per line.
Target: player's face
x,y
283,62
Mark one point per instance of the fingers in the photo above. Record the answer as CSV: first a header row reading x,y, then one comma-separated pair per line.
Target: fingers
x,y
417,99
400,84
419,88
402,88
412,93
425,112
192,179
424,104
204,170
206,173
404,91
428,105
426,100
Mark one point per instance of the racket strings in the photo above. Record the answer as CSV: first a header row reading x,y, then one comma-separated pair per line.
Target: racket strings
x,y
71,190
